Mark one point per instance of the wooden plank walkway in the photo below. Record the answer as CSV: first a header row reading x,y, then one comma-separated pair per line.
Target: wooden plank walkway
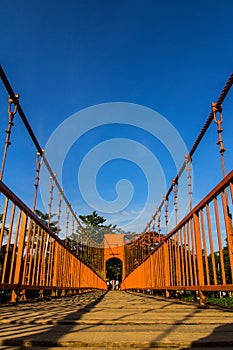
x,y
115,320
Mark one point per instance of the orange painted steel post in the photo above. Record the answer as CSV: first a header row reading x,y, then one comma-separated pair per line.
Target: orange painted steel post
x,y
211,244
182,278
229,230
205,247
2,231
200,270
152,268
8,244
170,260
186,274
166,268
15,247
219,241
178,259
194,256
189,255
27,255
19,259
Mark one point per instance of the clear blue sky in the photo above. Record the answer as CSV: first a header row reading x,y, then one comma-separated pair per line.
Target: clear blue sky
x,y
63,56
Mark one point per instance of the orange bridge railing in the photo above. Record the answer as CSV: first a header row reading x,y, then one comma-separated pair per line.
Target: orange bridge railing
x,y
34,255
197,255
33,258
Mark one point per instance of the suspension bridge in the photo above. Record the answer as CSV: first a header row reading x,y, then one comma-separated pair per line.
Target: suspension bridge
x,y
195,258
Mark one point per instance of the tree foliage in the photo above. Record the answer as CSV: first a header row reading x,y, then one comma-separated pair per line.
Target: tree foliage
x,y
6,230
45,218
95,220
95,228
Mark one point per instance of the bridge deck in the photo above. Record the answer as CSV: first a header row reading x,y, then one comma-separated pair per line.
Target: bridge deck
x,y
114,320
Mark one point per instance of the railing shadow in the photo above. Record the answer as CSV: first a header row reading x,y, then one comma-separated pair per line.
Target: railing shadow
x,y
220,338
45,333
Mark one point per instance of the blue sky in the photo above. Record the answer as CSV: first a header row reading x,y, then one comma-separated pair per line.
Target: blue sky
x,y
65,56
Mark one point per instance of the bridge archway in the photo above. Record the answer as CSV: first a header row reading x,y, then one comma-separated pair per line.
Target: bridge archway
x,y
114,269
114,249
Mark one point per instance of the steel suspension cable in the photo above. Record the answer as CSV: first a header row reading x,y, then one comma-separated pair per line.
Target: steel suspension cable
x,y
19,109
23,117
210,118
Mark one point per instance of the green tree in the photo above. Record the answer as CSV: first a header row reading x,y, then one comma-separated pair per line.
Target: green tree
x,y
6,230
4,246
45,218
227,264
95,228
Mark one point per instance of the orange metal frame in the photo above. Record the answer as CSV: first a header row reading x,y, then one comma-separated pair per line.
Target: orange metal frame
x,y
35,258
193,255
197,255
114,248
